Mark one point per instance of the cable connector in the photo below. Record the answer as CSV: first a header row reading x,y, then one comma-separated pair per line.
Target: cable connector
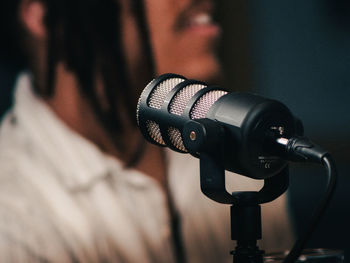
x,y
301,149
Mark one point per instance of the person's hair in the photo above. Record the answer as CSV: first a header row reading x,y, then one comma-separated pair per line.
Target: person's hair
x,y
11,54
86,36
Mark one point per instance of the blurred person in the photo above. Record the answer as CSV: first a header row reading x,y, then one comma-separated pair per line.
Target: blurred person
x,y
78,182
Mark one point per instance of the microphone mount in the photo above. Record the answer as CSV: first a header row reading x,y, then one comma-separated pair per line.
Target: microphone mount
x,y
202,138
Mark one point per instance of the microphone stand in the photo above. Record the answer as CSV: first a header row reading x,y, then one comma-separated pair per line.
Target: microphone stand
x,y
246,219
246,228
245,206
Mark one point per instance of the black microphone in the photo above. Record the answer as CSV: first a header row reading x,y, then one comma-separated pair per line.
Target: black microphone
x,y
241,129
239,132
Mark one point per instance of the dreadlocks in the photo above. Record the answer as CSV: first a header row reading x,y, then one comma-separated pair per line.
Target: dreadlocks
x,y
86,35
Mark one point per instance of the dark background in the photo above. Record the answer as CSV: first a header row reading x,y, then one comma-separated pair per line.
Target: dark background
x,y
297,52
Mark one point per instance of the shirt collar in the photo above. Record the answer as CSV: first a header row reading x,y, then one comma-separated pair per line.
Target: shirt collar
x,y
78,161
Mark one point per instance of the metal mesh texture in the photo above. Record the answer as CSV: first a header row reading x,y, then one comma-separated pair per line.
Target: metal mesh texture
x,y
179,102
202,106
158,95
156,101
154,131
177,106
139,102
176,139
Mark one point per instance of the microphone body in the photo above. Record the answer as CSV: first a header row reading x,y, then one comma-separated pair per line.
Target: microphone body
x,y
245,126
239,132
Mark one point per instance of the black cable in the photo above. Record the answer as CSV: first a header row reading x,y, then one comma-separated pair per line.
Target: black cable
x,y
328,162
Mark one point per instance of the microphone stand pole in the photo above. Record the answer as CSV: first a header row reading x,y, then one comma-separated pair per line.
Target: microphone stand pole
x,y
246,228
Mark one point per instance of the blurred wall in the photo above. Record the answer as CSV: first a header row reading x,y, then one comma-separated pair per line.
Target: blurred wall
x,y
301,56
236,46
299,53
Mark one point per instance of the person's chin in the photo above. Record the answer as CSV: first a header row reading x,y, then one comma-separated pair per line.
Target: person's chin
x,y
204,68
207,72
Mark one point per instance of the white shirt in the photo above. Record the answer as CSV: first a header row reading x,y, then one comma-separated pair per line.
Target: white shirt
x,y
63,200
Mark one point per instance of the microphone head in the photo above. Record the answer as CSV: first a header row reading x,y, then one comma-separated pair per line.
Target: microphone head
x,y
244,123
168,102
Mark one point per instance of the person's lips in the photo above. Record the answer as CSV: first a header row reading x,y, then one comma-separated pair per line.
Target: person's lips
x,y
198,18
201,19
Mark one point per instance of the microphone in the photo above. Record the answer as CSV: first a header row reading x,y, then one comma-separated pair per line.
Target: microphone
x,y
239,132
245,131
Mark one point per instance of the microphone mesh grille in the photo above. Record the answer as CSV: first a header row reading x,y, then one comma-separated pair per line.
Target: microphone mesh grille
x,y
156,101
154,131
178,104
158,95
202,106
176,139
177,107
